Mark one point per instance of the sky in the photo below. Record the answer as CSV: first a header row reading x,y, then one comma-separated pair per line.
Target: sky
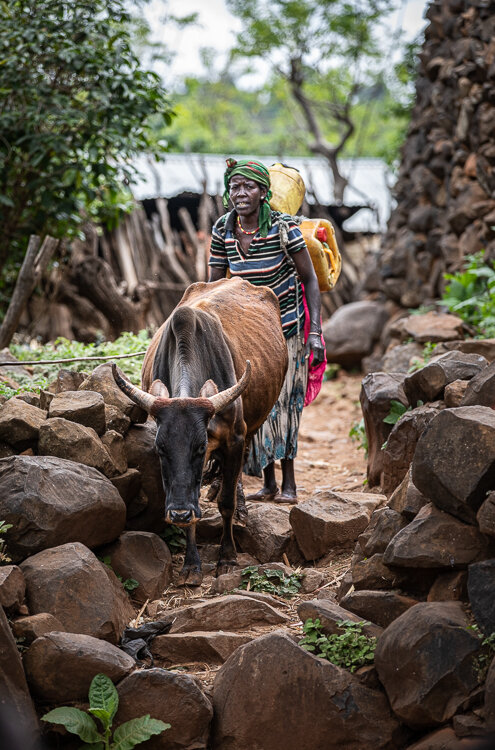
x,y
217,28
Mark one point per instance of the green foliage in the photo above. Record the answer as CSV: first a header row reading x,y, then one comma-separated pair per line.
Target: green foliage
x,y
486,654
103,704
35,384
62,348
129,584
471,294
397,410
349,649
426,355
4,557
357,433
76,109
175,538
331,371
270,581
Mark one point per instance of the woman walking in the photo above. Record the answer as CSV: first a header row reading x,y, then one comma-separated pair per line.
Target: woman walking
x,y
267,248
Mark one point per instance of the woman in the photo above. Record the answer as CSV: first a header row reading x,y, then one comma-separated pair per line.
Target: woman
x,y
247,241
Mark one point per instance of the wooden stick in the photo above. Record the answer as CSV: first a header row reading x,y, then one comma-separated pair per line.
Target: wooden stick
x,y
31,272
32,362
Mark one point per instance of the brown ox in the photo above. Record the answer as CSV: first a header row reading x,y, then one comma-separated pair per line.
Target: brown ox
x,y
223,340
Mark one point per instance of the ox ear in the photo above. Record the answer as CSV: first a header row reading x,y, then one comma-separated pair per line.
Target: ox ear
x,y
159,389
209,389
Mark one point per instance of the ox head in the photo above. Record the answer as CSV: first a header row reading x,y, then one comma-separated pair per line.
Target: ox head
x,y
181,439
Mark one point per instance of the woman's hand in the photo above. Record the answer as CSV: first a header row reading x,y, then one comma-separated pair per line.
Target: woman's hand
x,y
314,344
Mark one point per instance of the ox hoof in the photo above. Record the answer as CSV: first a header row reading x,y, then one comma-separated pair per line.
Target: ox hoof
x,y
190,577
226,566
240,517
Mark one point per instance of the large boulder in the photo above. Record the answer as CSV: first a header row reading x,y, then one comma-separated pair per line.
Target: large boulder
x,y
267,533
382,607
352,331
210,647
51,501
70,583
372,573
85,407
486,515
173,698
428,327
233,612
145,557
481,589
12,587
481,389
454,462
102,381
300,701
400,358
141,455
425,660
60,666
428,383
384,524
15,702
377,391
331,519
435,539
406,499
398,451
59,437
20,423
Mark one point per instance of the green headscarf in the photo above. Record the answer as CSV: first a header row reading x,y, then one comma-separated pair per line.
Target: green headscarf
x,y
256,171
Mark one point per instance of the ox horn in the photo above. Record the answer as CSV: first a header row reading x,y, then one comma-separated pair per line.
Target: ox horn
x,y
141,398
225,398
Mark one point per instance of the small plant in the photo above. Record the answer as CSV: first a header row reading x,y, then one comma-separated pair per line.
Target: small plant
x,y
175,538
350,649
471,294
4,557
103,704
426,355
357,433
397,410
270,581
485,656
129,584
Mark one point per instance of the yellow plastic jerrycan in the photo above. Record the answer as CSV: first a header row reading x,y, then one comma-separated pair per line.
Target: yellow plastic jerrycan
x,y
288,191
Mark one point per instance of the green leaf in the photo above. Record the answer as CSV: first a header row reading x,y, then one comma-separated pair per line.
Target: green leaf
x,y
135,731
103,696
75,721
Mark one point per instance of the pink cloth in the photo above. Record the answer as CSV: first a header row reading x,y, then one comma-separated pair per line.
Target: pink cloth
x,y
315,372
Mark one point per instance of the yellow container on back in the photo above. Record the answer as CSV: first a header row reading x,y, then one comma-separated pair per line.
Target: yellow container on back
x,y
288,191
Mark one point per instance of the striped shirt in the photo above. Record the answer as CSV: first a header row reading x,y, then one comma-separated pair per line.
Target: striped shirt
x,y
265,264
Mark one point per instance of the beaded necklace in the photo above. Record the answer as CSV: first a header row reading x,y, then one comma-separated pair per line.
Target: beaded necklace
x,y
244,231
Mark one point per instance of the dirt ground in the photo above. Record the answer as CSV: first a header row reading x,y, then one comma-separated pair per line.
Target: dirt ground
x,y
327,457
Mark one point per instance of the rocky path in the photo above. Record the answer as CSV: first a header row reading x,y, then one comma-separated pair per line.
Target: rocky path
x,y
327,458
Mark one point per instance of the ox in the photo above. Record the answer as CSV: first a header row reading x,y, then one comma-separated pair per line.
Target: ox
x,y
223,340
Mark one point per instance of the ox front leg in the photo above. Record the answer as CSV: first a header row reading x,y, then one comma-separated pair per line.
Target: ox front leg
x,y
227,504
191,574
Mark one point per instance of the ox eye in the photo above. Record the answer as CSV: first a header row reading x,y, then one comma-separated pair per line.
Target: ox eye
x,y
201,450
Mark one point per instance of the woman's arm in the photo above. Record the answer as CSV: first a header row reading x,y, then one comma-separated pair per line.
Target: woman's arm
x,y
216,273
307,275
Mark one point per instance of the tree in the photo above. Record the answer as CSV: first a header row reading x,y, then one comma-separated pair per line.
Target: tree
x,y
76,108
324,50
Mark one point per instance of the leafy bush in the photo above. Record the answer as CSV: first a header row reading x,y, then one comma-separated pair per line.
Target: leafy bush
x,y
103,704
350,649
270,581
471,294
61,348
357,433
4,557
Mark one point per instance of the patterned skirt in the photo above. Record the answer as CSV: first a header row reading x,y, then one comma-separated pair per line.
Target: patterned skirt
x,y
277,436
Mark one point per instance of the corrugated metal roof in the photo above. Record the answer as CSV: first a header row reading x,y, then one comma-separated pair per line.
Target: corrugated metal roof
x,y
368,182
